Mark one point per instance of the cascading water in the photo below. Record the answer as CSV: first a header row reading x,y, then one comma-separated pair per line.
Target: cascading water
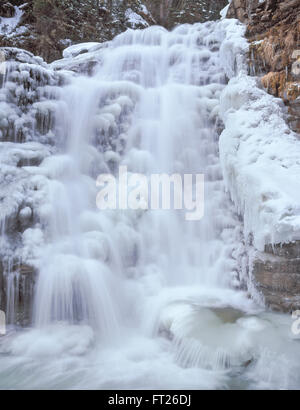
x,y
156,91
143,299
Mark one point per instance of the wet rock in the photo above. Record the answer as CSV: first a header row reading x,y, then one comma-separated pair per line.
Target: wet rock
x,y
287,250
277,276
294,117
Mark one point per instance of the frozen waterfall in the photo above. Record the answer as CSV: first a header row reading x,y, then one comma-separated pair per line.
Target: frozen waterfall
x,y
133,299
152,105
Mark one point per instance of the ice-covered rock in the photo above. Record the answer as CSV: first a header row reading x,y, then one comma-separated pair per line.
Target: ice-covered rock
x,y
260,161
76,49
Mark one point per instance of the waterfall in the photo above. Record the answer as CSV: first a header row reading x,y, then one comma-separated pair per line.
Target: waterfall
x,y
140,298
151,105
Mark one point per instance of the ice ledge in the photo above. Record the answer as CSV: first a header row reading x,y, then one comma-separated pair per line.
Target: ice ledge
x,y
260,158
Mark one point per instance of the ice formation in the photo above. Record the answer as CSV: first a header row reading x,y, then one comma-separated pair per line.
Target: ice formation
x,y
259,155
138,299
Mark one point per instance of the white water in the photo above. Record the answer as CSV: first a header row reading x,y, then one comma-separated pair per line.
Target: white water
x,y
144,299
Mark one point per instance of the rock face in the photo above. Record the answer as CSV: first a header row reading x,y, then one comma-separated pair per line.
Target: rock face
x,y
277,276
273,29
46,27
169,13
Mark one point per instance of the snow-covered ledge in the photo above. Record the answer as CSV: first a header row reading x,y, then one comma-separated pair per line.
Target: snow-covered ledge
x,y
260,159
260,155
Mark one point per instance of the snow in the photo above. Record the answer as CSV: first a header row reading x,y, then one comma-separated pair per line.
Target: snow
x,y
134,19
80,58
8,25
260,155
145,10
76,49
